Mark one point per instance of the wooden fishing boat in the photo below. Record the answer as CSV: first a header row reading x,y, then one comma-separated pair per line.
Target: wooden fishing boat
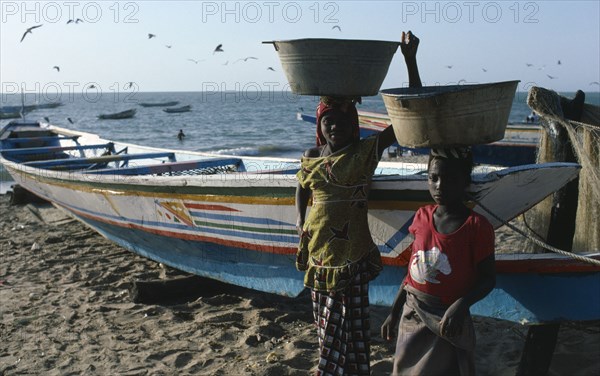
x,y
119,115
160,104
43,106
518,147
233,219
11,115
175,110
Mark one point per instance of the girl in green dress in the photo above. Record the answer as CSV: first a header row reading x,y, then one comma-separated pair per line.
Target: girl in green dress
x,y
336,250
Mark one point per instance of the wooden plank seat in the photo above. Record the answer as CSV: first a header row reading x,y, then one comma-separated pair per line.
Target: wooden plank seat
x,y
82,162
28,131
18,140
169,168
56,149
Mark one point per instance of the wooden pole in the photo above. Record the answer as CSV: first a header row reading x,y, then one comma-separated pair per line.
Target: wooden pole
x,y
541,339
20,196
157,291
179,288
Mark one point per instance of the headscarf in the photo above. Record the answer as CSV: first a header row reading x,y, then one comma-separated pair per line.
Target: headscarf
x,y
346,106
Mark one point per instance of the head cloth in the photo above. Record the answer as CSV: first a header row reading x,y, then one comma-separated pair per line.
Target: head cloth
x,y
345,105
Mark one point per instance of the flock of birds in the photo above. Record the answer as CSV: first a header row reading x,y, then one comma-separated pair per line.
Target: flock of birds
x,y
128,85
219,48
528,65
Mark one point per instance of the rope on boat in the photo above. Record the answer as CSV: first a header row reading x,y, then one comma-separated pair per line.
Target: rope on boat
x,y
537,241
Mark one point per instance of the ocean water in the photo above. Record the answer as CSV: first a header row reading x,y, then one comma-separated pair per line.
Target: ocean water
x,y
238,123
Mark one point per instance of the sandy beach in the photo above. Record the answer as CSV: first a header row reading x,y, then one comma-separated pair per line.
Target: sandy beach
x,y
66,309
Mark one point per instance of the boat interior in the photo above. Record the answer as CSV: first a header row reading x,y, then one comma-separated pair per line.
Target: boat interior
x,y
45,148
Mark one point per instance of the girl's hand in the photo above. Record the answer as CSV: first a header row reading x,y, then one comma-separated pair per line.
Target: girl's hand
x,y
300,226
452,322
409,44
388,328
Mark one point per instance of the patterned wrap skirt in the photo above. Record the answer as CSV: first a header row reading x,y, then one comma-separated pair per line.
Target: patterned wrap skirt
x,y
422,350
342,321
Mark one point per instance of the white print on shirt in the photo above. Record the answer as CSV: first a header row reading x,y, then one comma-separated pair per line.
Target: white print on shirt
x,y
427,264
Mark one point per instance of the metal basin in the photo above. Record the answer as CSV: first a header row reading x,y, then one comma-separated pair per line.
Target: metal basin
x,y
335,67
456,115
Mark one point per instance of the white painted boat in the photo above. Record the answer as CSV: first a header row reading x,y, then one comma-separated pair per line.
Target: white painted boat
x,y
233,219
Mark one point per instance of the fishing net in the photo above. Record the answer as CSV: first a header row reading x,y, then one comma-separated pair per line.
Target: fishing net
x,y
584,137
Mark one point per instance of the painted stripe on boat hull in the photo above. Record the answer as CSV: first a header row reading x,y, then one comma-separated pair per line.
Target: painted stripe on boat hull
x,y
229,262
556,297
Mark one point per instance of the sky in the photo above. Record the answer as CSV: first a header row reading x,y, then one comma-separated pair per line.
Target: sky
x,y
554,44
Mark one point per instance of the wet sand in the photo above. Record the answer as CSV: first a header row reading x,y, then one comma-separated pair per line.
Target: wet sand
x,y
66,308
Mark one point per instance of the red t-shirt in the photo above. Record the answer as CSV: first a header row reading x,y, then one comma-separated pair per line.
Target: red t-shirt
x,y
445,265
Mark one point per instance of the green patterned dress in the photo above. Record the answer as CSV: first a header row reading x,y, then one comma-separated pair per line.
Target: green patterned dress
x,y
336,237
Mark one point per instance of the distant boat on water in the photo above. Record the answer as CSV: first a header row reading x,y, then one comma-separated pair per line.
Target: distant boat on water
x,y
119,115
177,109
159,104
26,108
12,115
47,105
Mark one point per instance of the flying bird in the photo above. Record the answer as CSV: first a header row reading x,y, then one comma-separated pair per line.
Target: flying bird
x,y
56,67
336,27
70,120
129,84
246,59
271,69
551,77
449,66
47,119
193,61
150,36
483,69
559,63
529,65
76,21
219,48
168,45
227,62
29,31
92,86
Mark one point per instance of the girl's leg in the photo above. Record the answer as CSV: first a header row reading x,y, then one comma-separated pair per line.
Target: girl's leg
x,y
342,320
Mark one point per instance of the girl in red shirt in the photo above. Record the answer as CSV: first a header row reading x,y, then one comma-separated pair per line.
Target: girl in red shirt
x,y
451,267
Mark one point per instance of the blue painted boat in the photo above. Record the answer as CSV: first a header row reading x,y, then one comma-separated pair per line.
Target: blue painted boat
x,y
233,219
518,147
